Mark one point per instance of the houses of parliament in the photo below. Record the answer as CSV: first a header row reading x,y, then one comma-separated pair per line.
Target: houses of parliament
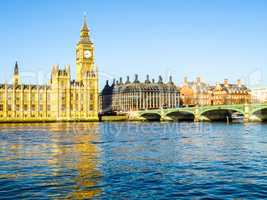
x,y
61,99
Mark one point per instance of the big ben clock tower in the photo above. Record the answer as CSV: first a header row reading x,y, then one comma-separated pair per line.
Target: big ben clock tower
x,y
87,74
84,53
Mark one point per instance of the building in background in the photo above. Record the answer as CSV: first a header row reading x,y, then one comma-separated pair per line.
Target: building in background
x,y
194,93
199,93
106,98
259,95
136,95
230,93
62,98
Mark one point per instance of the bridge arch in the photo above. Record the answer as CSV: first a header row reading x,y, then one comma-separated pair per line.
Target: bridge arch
x,y
181,115
259,113
231,108
221,113
258,109
151,116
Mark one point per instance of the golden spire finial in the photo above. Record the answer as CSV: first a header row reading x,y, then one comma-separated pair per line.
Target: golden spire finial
x,y
85,26
84,34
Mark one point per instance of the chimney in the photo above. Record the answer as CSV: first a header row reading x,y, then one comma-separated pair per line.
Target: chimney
x,y
147,79
185,79
160,80
226,82
121,81
239,83
114,81
136,78
170,80
128,80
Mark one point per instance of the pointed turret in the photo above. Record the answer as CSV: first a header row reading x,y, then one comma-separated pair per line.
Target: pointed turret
x,y
16,69
16,74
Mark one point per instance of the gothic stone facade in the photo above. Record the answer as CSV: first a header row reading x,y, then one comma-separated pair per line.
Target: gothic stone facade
x,y
136,95
62,98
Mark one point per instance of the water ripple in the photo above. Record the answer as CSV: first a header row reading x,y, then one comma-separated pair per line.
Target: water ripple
x,y
133,161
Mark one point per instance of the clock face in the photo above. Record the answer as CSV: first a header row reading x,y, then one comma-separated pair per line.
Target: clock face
x,y
87,54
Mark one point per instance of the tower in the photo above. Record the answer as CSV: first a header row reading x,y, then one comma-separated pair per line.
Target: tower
x,y
87,73
84,53
60,89
16,79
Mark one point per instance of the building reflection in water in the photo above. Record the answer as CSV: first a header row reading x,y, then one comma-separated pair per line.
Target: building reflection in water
x,y
61,156
78,151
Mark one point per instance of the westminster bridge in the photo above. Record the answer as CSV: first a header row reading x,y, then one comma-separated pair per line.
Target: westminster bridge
x,y
245,112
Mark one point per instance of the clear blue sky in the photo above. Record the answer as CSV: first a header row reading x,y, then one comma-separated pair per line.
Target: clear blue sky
x,y
215,39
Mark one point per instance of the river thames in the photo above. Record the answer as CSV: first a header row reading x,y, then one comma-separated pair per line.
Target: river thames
x,y
127,160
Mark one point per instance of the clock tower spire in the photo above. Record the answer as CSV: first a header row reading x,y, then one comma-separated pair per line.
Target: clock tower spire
x,y
84,35
84,52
